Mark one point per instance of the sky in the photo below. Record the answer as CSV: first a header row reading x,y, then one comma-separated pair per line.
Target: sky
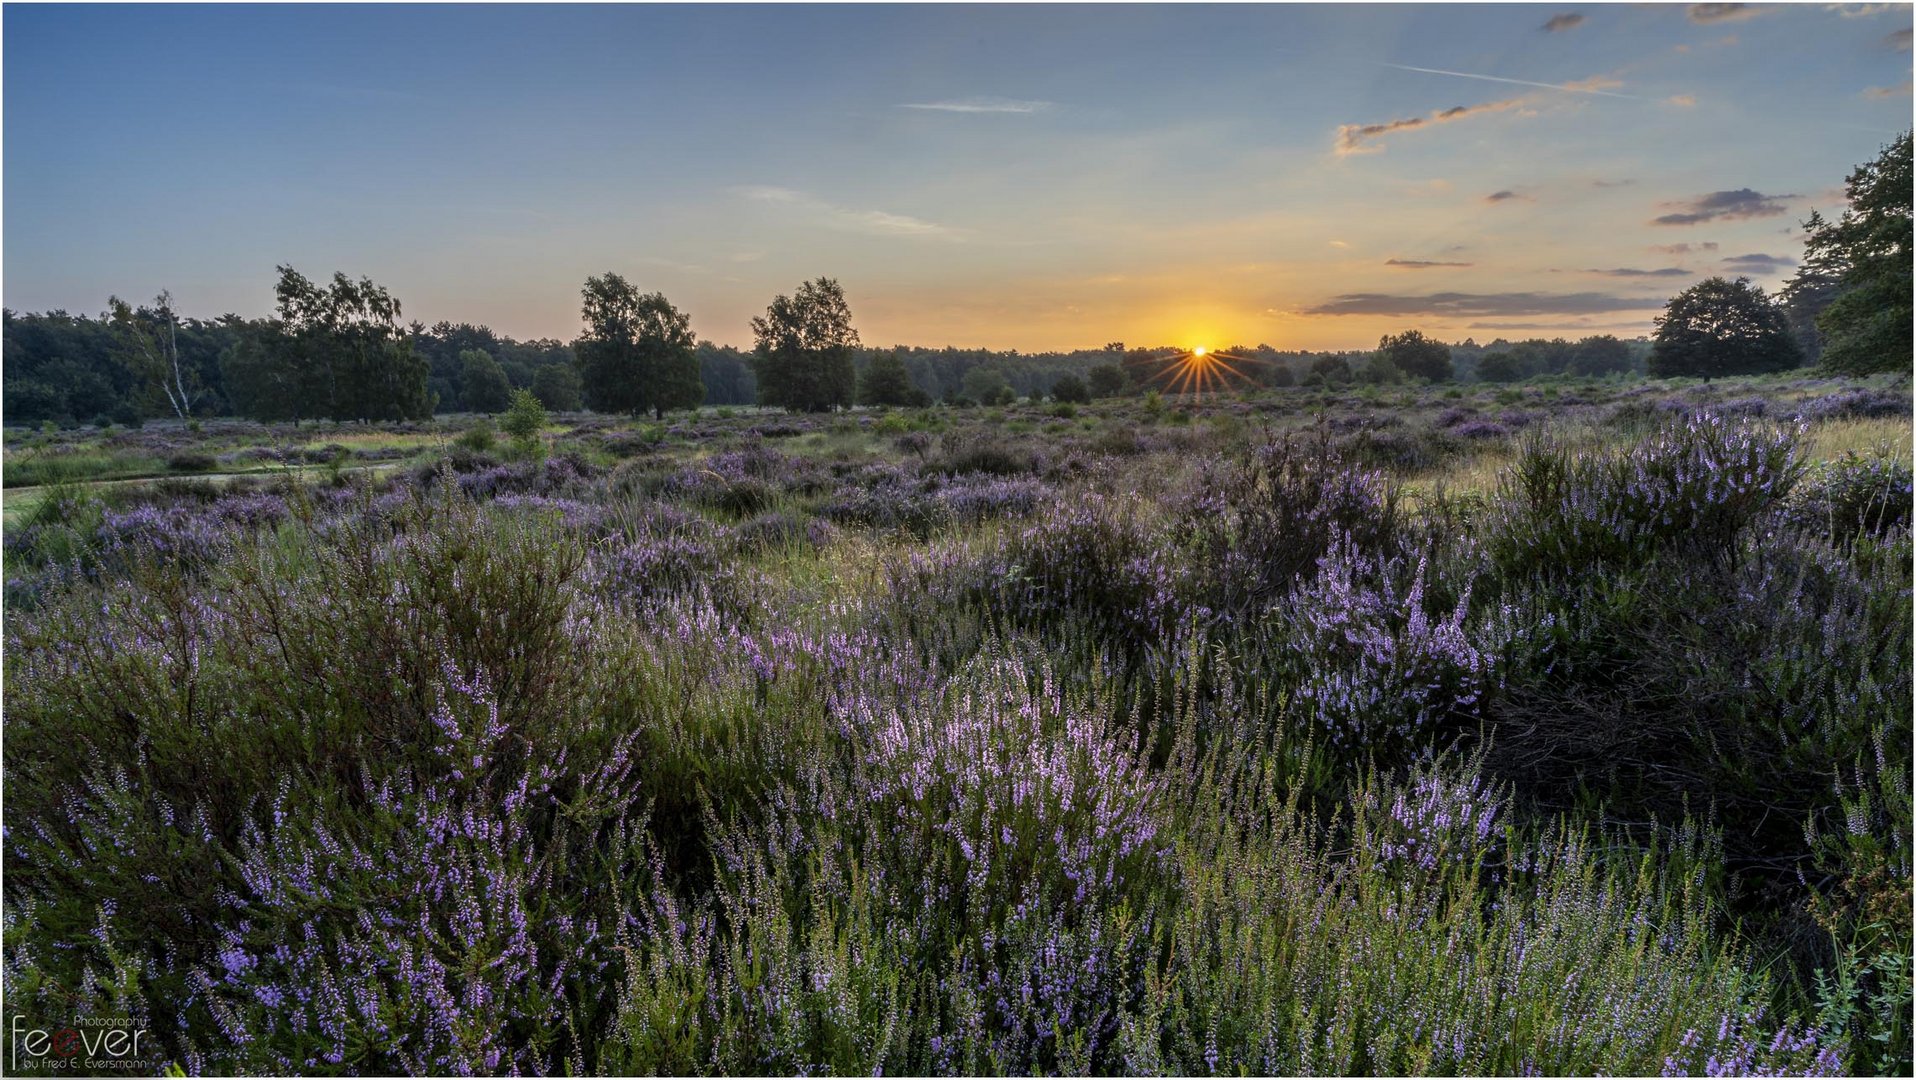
x,y
1012,176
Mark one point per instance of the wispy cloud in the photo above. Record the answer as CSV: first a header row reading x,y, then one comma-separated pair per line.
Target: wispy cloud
x,y
1422,264
1475,305
1505,196
1705,14
1633,272
1724,206
1759,263
1613,183
981,105
870,222
1601,85
1568,20
1684,249
1878,93
1357,138
1864,11
1898,39
1681,101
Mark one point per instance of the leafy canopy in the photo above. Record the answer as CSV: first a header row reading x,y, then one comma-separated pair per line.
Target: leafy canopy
x,y
1719,327
636,353
803,349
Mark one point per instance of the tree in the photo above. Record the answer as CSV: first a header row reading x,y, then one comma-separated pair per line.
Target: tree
x,y
1866,327
1070,388
886,382
482,382
1107,380
1500,367
336,352
1718,327
524,418
1600,354
558,388
986,385
1378,370
1817,282
150,348
1417,356
803,349
637,351
1331,369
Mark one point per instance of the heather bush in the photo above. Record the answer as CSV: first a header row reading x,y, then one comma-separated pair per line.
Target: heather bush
x,y
1035,747
1696,486
1854,496
1263,521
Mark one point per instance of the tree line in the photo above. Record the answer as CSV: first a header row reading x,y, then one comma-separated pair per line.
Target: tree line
x,y
337,350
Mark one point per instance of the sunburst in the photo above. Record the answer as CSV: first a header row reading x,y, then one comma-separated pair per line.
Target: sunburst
x,y
1199,369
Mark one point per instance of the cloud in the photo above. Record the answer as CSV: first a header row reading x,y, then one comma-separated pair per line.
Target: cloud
x,y
1566,21
1758,263
1353,138
981,105
1878,93
1682,101
1633,272
1724,206
1705,14
1898,40
1422,264
1612,183
1481,305
1339,244
1601,85
1863,11
1505,196
1684,249
870,222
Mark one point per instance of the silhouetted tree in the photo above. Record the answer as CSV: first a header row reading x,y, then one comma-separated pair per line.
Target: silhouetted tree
x,y
1070,388
1417,356
1866,327
336,352
1500,367
1718,327
803,349
886,382
557,386
482,382
636,352
150,347
1600,354
1107,380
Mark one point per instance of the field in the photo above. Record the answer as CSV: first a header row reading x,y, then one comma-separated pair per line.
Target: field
x,y
1555,728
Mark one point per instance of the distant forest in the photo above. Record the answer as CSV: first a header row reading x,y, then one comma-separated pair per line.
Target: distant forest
x,y
77,369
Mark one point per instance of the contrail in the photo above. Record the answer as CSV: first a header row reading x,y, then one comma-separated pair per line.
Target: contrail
x,y
1517,82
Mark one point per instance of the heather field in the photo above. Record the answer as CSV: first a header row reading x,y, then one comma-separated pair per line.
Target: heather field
x,y
1554,728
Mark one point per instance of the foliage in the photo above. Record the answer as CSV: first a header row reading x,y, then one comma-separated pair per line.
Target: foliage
x,y
1070,389
482,382
1416,355
886,382
1866,325
559,388
636,352
1106,380
335,352
1719,327
803,349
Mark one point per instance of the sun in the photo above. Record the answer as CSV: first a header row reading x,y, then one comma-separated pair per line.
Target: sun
x,y
1199,350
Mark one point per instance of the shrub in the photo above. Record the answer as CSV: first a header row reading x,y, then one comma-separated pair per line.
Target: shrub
x,y
1697,485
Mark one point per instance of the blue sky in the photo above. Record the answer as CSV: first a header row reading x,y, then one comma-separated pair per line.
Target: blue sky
x,y
1008,176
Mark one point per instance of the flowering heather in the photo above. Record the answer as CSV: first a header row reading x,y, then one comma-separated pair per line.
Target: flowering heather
x,y
984,742
1697,485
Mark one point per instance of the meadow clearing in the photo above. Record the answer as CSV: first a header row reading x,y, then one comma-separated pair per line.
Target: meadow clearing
x,y
1561,727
